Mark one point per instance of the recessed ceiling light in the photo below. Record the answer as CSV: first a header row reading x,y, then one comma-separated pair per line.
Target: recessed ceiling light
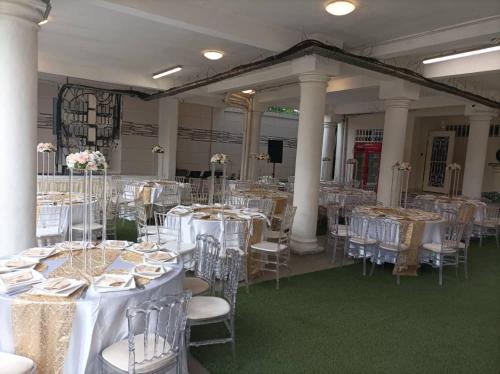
x,y
213,54
463,54
169,71
340,8
249,92
43,21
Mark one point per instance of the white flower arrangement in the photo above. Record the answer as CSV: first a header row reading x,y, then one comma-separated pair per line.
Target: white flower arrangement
x,y
86,160
45,148
157,149
404,166
453,166
261,156
219,158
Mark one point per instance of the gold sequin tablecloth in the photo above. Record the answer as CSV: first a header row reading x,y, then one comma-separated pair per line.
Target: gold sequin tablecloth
x,y
65,335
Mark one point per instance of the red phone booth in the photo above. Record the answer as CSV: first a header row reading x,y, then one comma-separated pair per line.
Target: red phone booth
x,y
368,158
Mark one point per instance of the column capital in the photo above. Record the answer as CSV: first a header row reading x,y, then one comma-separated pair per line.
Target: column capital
x,y
26,10
314,78
397,103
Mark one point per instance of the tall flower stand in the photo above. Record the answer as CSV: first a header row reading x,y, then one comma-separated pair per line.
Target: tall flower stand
x,y
160,156
399,184
90,199
213,190
48,167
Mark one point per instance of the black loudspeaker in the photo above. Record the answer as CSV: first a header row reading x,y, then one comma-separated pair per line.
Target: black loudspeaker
x,y
275,151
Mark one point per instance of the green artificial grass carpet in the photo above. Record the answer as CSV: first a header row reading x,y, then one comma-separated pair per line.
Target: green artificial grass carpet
x,y
336,321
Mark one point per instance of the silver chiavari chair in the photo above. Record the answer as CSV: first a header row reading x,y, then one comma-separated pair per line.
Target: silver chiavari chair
x,y
359,245
445,253
336,230
206,258
237,235
221,308
236,201
264,206
155,341
390,244
168,198
489,223
169,236
199,198
276,254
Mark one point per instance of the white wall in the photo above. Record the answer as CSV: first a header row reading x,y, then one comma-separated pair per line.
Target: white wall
x,y
198,124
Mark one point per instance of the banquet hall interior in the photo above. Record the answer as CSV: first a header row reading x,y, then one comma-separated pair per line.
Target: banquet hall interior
x,y
266,186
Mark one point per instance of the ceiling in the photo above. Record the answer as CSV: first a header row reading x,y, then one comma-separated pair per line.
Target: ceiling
x,y
126,41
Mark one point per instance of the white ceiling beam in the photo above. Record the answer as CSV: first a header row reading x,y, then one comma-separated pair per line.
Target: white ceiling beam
x,y
468,33
285,72
482,63
338,84
219,24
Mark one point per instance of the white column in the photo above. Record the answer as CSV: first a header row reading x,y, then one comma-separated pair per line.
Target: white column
x,y
255,126
245,146
308,162
168,124
477,145
18,122
328,148
339,152
393,146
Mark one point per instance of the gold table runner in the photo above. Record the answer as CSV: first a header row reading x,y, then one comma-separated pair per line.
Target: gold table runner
x,y
42,324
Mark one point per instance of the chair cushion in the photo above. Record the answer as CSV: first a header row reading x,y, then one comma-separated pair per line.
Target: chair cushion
x,y
341,231
268,247
118,353
14,364
80,226
47,231
184,248
207,307
436,247
393,247
197,286
362,241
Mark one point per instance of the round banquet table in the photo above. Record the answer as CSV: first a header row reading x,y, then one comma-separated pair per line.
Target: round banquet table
x,y
43,329
192,226
339,195
425,227
454,203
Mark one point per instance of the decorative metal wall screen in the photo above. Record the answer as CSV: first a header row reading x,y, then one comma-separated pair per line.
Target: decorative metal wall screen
x,y
369,136
438,160
87,118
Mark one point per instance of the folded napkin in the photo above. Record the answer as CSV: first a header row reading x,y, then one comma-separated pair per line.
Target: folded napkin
x,y
161,256
109,281
16,263
55,284
148,269
38,252
146,245
18,278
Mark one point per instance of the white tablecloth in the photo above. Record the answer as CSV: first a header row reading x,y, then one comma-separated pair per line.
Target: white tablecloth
x,y
99,319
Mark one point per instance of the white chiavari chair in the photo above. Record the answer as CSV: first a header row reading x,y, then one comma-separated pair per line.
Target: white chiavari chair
x,y
221,308
273,255
50,224
155,339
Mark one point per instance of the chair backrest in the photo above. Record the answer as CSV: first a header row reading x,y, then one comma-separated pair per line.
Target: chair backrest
x,y
451,235
466,213
449,215
199,198
236,234
231,265
391,232
195,185
334,212
163,323
492,213
236,201
265,206
206,257
51,217
358,226
286,225
168,228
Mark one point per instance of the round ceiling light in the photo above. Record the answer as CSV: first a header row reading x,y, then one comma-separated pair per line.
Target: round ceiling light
x,y
213,54
340,8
